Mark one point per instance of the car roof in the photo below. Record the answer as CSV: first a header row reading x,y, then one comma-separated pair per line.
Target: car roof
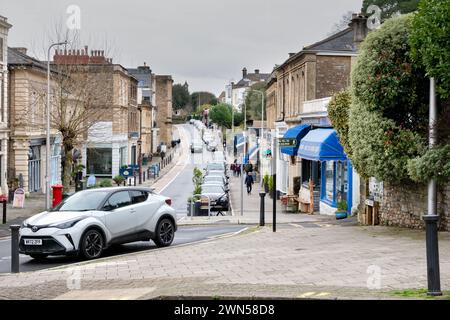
x,y
113,189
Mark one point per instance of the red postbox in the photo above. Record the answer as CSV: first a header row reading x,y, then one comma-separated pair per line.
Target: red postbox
x,y
57,194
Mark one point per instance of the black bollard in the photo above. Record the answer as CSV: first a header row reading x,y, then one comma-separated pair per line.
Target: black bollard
x,y
4,212
135,180
262,210
143,176
14,248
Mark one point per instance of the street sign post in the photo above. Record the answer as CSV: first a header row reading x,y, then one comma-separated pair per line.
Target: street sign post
x,y
287,142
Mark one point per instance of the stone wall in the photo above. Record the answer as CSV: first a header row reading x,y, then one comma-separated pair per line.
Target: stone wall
x,y
403,206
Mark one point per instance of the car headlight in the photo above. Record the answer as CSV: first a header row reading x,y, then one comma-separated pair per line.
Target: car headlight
x,y
65,225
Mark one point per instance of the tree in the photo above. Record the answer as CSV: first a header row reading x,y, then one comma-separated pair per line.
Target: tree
x,y
388,114
202,97
430,45
253,101
343,23
221,115
430,41
82,97
180,96
391,8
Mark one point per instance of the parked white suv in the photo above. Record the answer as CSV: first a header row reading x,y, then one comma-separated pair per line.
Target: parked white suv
x,y
89,221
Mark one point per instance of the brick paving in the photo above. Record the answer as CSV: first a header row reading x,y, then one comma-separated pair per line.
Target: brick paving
x,y
330,262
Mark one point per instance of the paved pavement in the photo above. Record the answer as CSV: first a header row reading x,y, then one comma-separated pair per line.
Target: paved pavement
x,y
310,261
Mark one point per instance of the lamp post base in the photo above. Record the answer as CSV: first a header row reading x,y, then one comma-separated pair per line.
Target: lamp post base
x,y
432,247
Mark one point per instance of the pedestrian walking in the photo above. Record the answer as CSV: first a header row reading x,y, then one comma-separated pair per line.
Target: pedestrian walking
x,y
238,170
249,182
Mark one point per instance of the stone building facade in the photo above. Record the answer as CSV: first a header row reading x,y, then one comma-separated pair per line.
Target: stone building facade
x,y
27,124
163,101
4,136
146,103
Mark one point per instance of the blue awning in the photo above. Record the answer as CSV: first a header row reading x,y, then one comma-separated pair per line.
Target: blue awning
x,y
297,133
251,154
239,139
321,145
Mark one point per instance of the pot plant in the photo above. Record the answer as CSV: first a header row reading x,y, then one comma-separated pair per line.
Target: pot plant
x,y
271,191
341,212
119,180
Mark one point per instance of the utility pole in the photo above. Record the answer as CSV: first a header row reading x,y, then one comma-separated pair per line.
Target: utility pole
x,y
432,218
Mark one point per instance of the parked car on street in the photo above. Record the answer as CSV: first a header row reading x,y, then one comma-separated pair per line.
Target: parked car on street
x,y
213,145
90,221
196,147
218,197
215,179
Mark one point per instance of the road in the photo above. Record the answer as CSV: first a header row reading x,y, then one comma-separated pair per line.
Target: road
x,y
179,189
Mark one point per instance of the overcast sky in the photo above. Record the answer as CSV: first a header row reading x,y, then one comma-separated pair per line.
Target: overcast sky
x,y
204,42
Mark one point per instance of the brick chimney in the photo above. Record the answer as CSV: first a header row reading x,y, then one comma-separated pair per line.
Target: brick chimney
x,y
77,56
359,26
257,71
244,73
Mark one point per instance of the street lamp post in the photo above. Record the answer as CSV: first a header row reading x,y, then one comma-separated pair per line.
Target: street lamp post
x,y
48,166
262,126
245,153
431,218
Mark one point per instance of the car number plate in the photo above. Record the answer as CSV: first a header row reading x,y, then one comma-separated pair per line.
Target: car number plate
x,y
33,242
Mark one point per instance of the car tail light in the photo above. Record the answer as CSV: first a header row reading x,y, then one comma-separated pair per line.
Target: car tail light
x,y
169,202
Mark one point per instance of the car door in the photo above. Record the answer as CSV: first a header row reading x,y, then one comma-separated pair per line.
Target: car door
x,y
119,217
145,206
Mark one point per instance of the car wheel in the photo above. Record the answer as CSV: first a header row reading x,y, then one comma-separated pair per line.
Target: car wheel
x,y
165,233
39,256
91,244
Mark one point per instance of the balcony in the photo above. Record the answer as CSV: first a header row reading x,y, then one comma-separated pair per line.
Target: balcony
x,y
316,108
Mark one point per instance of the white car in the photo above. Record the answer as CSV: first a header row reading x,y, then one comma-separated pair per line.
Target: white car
x,y
89,221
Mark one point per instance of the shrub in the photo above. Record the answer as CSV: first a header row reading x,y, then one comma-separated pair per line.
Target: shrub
x,y
430,41
388,114
435,163
105,183
338,112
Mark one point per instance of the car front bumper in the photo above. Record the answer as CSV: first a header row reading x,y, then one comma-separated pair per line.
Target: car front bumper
x,y
54,242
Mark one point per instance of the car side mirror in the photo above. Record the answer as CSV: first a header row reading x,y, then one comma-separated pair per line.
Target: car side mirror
x,y
108,207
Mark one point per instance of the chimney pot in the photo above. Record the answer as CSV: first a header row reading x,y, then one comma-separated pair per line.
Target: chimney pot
x,y
244,72
257,71
359,26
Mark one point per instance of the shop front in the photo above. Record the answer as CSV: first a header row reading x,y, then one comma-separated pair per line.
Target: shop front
x,y
294,165
330,169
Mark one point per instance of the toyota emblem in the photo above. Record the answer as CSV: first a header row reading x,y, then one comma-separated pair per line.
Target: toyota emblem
x,y
34,228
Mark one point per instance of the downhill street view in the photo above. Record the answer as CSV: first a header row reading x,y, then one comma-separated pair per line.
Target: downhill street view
x,y
223,150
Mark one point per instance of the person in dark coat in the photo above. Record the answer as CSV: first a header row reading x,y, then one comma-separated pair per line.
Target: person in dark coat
x,y
249,182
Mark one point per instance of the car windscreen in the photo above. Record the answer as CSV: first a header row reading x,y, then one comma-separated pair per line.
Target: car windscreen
x,y
212,189
82,201
215,166
213,178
